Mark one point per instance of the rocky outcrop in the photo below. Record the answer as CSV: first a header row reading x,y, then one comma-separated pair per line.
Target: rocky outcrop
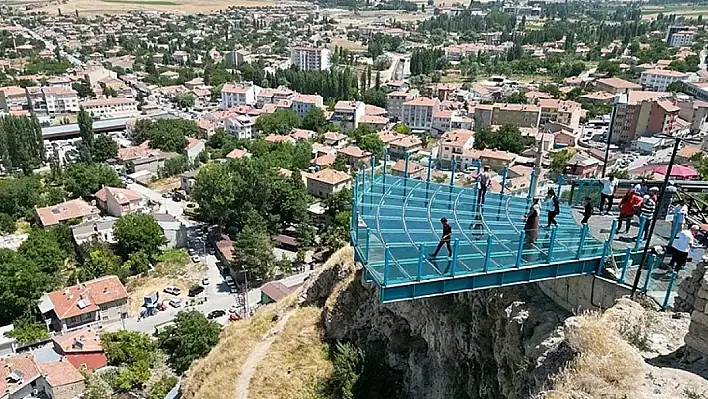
x,y
501,343
687,290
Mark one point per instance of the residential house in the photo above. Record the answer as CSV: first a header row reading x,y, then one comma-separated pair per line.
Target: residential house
x,y
582,165
174,230
616,86
415,169
53,100
76,209
377,123
335,139
660,79
487,157
143,158
326,182
236,94
347,114
453,144
118,201
303,103
567,112
13,97
22,377
240,126
397,149
60,380
354,155
99,229
193,148
8,344
521,115
102,300
82,348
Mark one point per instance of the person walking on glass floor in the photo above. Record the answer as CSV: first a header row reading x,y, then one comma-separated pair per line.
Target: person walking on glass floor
x,y
485,180
445,239
609,185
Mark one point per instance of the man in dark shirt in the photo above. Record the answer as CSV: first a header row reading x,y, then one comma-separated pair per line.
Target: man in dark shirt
x,y
445,239
588,210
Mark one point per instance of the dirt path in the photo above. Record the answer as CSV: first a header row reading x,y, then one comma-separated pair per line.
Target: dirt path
x,y
256,356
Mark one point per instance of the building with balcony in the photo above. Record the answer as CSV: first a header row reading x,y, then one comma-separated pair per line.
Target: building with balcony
x,y
347,114
303,103
109,108
310,58
418,113
238,94
660,79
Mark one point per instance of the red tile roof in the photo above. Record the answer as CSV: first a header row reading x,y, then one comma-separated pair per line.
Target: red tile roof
x,y
87,297
276,290
23,364
236,153
330,176
68,210
81,340
122,195
60,373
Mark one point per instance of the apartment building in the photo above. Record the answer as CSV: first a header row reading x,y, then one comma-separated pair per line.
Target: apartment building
x,y
13,97
521,115
240,126
53,100
394,104
616,85
680,36
238,94
693,111
643,113
347,114
303,103
310,58
418,113
102,300
273,96
567,113
660,79
408,144
108,108
453,144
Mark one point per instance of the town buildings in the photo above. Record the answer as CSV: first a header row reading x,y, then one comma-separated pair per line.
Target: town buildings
x,y
521,115
108,108
237,94
310,58
660,79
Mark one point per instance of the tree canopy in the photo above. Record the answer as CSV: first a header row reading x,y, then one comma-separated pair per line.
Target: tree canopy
x,y
253,249
279,122
84,180
21,144
506,138
138,232
87,136
104,148
190,338
165,134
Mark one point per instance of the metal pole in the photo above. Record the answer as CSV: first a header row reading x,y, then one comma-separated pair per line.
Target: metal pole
x,y
652,260
368,244
531,184
656,215
625,264
385,158
488,255
642,226
453,167
430,167
520,251
613,231
373,169
560,185
668,290
405,172
504,174
583,236
387,260
609,135
455,250
552,244
421,256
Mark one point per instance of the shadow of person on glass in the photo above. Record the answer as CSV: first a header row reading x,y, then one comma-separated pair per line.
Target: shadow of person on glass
x,y
447,262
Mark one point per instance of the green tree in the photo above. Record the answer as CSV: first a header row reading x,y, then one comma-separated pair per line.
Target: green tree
x,y
137,263
372,143
108,91
42,248
83,89
138,232
135,353
517,97
253,249
165,134
340,163
675,87
162,387
185,100
100,261
402,128
87,136
104,148
27,331
22,283
279,122
21,144
348,365
315,120
506,138
174,166
83,180
559,161
190,338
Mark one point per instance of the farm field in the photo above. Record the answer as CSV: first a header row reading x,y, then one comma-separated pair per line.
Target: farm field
x,y
686,10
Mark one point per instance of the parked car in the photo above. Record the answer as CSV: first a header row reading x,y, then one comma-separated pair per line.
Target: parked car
x,y
196,290
170,289
205,281
176,303
191,252
215,313
234,309
195,258
234,317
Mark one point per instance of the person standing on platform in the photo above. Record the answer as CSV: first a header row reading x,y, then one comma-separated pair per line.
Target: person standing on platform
x,y
683,242
445,239
628,205
553,206
609,185
648,208
485,180
532,218
641,188
587,211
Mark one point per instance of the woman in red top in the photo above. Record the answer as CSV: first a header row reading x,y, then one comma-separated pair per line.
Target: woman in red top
x,y
627,206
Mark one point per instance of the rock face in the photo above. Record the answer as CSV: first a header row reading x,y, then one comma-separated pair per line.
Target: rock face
x,y
500,343
687,290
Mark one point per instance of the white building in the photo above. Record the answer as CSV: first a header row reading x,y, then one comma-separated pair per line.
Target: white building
x,y
660,79
238,94
418,113
53,100
310,58
681,39
108,108
302,103
240,126
347,114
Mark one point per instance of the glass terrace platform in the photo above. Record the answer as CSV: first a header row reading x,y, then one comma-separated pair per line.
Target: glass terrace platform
x,y
396,226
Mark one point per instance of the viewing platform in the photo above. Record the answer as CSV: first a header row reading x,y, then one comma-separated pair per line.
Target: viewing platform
x,y
396,227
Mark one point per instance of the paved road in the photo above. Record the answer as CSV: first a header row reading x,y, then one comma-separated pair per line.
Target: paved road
x,y
50,46
173,208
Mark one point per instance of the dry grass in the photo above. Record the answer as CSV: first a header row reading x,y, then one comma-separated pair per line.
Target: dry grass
x,y
142,286
100,7
166,184
297,361
347,44
606,367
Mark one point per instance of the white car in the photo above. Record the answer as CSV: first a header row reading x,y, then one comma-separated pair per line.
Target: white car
x,y
195,259
234,309
205,281
176,303
172,290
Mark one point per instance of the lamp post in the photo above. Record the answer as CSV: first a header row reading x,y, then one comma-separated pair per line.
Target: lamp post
x,y
657,209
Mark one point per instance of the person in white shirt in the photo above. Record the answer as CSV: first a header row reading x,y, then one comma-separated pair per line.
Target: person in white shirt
x,y
683,242
485,180
609,185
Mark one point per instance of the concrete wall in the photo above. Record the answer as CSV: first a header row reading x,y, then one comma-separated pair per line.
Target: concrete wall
x,y
576,294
